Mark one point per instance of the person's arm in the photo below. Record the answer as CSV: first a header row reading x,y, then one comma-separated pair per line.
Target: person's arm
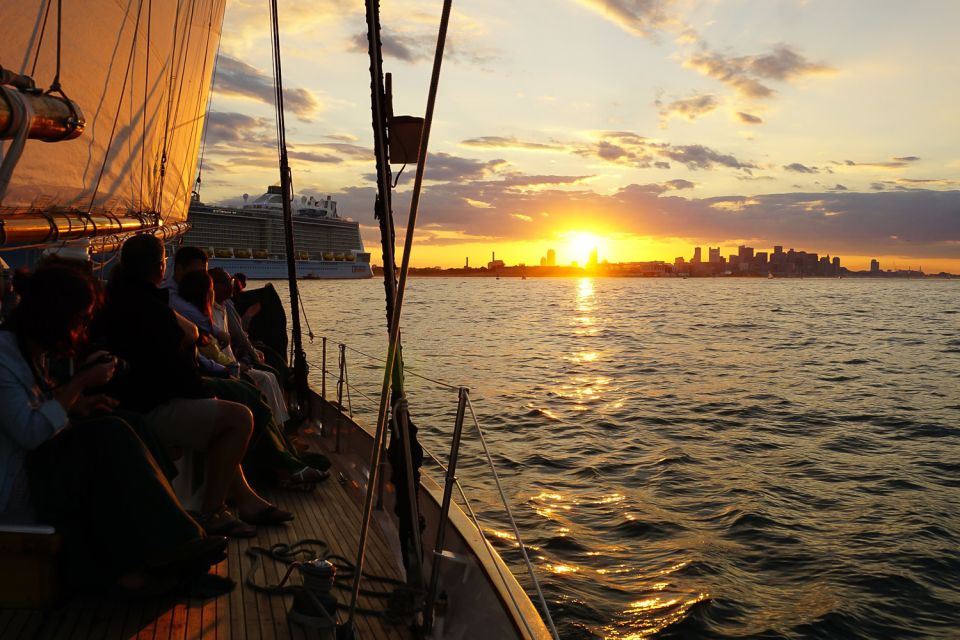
x,y
29,424
242,346
191,333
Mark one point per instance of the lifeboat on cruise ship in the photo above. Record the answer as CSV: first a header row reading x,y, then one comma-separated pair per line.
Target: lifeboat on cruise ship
x,y
207,251
328,255
242,253
303,255
261,254
338,256
223,253
349,257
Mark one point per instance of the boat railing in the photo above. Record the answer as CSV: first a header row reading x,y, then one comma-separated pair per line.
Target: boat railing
x,y
345,392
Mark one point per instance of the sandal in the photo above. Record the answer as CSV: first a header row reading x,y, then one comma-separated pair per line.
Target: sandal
x,y
269,516
306,479
222,522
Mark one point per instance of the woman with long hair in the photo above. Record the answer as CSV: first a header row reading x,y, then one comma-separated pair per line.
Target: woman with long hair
x,y
91,478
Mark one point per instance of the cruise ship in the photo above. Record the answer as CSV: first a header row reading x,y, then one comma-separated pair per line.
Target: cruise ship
x,y
250,239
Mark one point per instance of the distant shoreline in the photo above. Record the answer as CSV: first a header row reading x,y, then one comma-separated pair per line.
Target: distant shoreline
x,y
574,272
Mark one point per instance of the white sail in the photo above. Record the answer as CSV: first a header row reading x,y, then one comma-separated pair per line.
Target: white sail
x,y
140,71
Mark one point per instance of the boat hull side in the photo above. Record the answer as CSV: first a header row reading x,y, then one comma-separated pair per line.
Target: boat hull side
x,y
484,598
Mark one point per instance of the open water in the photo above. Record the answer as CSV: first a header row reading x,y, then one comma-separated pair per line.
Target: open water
x,y
696,458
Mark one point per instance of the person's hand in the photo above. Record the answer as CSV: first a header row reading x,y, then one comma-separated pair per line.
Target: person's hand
x,y
96,371
259,355
93,405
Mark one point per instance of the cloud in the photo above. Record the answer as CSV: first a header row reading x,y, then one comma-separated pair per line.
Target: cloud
x,y
237,142
237,78
643,18
230,127
748,118
839,187
420,47
748,74
697,156
796,167
628,148
893,163
690,108
509,142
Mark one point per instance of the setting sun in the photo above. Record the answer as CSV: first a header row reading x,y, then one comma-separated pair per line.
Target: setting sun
x,y
580,244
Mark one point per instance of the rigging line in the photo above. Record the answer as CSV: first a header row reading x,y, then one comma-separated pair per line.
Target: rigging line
x,y
116,117
494,558
55,85
306,320
158,185
143,116
184,59
43,30
206,120
513,523
406,368
398,301
196,110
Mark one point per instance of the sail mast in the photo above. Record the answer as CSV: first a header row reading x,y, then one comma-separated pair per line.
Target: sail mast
x,y
299,357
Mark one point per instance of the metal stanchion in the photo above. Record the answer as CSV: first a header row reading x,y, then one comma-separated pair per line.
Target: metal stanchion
x,y
451,479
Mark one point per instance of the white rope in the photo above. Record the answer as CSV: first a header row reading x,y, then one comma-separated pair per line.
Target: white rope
x,y
22,115
513,523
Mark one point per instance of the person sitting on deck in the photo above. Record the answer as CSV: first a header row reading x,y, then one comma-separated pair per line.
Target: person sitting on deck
x,y
197,289
89,477
271,457
163,382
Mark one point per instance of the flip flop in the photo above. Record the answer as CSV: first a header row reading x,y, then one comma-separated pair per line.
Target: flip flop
x,y
223,523
269,516
300,480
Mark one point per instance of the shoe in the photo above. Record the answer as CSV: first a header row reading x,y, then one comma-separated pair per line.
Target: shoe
x,y
222,522
269,516
306,479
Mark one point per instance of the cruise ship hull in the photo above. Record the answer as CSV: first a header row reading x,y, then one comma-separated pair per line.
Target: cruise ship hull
x,y
277,269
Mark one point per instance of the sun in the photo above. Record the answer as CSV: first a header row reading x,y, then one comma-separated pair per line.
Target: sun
x,y
581,245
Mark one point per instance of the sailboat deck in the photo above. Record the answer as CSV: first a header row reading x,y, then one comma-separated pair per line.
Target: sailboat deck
x,y
330,513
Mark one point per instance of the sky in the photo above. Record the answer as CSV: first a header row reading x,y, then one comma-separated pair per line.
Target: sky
x,y
641,127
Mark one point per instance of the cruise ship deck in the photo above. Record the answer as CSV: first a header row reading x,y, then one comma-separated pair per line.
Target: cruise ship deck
x,y
331,513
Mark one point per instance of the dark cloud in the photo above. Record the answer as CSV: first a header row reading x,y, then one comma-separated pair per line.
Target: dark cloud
x,y
230,127
697,156
679,184
839,187
907,159
749,118
747,74
690,108
639,17
237,78
796,167
444,167
628,148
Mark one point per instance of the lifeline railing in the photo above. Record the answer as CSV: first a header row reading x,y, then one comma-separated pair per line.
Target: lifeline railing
x,y
343,387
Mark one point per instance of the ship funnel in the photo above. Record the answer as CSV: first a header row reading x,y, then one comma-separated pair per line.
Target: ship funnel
x,y
246,197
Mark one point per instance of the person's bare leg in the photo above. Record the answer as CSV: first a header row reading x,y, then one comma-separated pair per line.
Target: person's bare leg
x,y
228,444
248,501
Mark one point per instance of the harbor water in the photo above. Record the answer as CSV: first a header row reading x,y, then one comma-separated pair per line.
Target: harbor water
x,y
702,458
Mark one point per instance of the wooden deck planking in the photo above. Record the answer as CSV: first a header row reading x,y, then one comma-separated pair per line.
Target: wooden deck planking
x,y
331,513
